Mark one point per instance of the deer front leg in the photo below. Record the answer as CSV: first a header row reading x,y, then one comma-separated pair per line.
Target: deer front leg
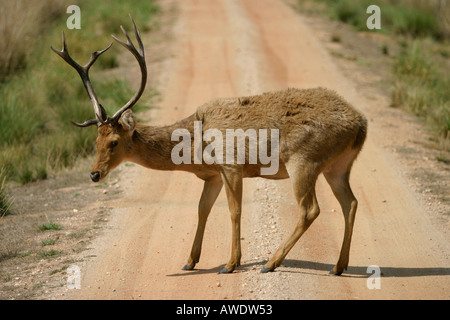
x,y
233,187
211,190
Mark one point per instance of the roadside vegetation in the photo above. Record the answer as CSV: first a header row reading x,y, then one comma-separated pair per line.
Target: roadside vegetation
x,y
5,201
40,94
420,76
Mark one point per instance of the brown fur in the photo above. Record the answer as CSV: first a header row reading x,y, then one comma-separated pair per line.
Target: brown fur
x,y
319,132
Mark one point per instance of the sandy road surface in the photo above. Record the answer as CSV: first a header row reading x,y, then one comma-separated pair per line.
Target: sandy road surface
x,y
228,48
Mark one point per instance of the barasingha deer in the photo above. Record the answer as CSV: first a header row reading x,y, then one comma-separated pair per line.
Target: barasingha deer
x,y
318,131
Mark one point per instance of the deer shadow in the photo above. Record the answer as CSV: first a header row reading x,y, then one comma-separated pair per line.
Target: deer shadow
x,y
318,269
302,266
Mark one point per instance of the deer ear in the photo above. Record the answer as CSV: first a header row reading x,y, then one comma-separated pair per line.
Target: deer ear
x,y
128,121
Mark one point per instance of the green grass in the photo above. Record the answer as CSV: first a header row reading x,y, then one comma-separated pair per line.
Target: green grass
x,y
43,93
50,226
5,201
420,77
48,242
422,85
415,18
50,253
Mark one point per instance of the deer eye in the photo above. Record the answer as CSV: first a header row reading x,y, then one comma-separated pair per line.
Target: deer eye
x,y
114,143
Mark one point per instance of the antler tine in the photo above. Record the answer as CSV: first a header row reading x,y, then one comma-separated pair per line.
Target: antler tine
x,y
140,57
83,71
87,123
95,55
129,45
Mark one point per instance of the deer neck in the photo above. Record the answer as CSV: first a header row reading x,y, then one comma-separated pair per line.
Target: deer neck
x,y
152,146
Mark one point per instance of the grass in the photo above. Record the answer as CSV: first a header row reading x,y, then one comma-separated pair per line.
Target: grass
x,y
18,35
50,253
414,17
48,242
49,226
5,201
40,93
422,85
420,77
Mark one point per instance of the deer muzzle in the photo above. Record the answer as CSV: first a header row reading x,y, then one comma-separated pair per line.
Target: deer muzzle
x,y
95,176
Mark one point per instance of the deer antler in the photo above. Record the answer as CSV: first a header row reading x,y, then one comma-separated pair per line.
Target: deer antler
x,y
140,57
101,117
83,71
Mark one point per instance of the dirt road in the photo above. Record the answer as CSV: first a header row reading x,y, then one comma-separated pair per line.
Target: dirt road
x,y
229,48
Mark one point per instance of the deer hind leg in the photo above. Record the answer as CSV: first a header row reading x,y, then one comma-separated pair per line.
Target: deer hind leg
x,y
233,187
303,180
337,176
211,190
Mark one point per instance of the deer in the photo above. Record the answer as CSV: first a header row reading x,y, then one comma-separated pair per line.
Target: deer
x,y
319,133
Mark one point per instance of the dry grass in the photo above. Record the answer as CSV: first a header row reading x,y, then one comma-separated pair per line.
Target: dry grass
x,y
21,22
5,202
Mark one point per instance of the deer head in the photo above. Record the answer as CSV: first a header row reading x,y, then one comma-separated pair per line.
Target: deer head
x,y
114,133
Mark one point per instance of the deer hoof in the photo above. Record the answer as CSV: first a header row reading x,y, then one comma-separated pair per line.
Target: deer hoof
x,y
225,270
187,267
333,273
266,270
336,272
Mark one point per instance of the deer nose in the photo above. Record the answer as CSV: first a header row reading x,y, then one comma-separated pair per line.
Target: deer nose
x,y
95,176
